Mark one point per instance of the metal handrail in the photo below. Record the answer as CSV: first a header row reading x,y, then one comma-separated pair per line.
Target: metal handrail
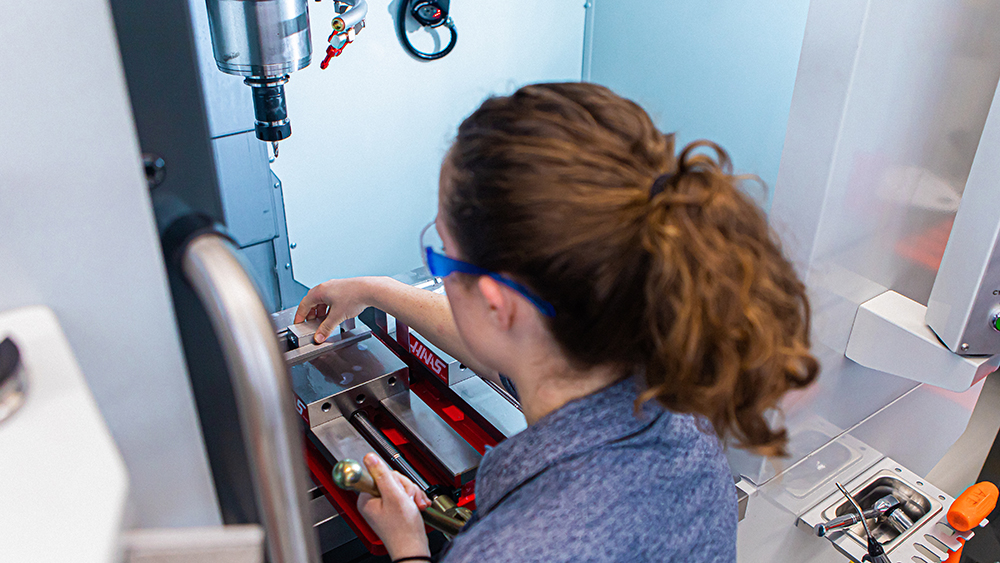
x,y
263,393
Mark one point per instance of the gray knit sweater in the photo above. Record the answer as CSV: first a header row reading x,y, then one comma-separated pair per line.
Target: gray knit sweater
x,y
593,481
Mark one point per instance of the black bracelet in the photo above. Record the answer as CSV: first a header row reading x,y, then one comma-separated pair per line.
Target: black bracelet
x,y
413,558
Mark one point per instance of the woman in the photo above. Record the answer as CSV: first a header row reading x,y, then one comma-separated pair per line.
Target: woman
x,y
640,306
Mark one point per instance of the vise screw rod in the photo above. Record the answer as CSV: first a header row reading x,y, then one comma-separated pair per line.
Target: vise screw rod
x,y
375,436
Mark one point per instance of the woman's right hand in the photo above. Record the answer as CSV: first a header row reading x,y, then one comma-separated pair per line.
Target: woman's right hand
x,y
395,515
334,301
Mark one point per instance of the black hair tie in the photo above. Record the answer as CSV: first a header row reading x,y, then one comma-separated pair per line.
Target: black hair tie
x,y
660,183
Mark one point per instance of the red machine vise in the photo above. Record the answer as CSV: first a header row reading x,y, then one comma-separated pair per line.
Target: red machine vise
x,y
377,386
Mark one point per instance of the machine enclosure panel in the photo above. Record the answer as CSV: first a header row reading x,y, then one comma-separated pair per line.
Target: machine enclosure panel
x,y
245,188
966,293
889,335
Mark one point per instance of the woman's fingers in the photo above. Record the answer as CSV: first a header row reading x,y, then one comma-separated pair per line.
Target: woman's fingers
x,y
315,304
388,487
394,515
408,486
326,327
307,306
413,491
333,301
328,301
317,312
422,500
364,502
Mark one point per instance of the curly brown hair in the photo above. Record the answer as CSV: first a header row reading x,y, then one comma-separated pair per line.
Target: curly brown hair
x,y
687,284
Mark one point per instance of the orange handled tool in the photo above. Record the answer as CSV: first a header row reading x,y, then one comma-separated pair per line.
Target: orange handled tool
x,y
971,508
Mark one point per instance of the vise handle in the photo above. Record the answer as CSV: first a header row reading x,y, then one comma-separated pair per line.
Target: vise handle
x,y
352,476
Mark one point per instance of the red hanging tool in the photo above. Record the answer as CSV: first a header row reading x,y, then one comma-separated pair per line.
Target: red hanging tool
x,y
335,51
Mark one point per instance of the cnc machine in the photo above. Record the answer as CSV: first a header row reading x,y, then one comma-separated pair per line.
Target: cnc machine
x,y
225,429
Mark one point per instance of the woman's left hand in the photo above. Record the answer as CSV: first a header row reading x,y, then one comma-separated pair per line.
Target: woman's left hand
x,y
395,515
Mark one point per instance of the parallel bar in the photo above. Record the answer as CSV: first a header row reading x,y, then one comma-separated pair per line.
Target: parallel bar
x,y
494,407
434,436
341,441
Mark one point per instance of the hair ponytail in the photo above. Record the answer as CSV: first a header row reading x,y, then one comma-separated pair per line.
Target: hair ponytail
x,y
727,316
685,282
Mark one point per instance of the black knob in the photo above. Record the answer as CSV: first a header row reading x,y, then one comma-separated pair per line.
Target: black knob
x,y
10,360
155,167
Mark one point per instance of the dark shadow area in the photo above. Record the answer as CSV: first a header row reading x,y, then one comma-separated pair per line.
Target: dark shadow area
x,y
985,546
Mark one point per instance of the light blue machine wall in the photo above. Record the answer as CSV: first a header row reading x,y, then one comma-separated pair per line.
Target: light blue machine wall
x,y
360,171
715,69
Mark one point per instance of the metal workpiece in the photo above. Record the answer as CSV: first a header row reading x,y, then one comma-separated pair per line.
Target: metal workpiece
x,y
13,384
300,334
299,347
357,374
261,387
434,436
386,447
260,38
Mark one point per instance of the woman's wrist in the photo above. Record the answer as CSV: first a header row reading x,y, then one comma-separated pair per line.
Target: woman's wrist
x,y
415,547
369,289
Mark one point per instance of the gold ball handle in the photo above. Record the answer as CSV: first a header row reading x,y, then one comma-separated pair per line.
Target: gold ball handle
x,y
352,476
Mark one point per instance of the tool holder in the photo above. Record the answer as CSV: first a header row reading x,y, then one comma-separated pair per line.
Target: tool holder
x,y
928,538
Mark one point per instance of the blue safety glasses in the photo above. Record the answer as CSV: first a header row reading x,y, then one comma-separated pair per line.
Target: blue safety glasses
x,y
441,265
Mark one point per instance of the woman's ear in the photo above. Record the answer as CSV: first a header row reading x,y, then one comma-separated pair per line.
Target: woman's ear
x,y
499,303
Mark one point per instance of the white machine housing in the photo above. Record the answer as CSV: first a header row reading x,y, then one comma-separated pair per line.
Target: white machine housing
x,y
964,305
889,106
